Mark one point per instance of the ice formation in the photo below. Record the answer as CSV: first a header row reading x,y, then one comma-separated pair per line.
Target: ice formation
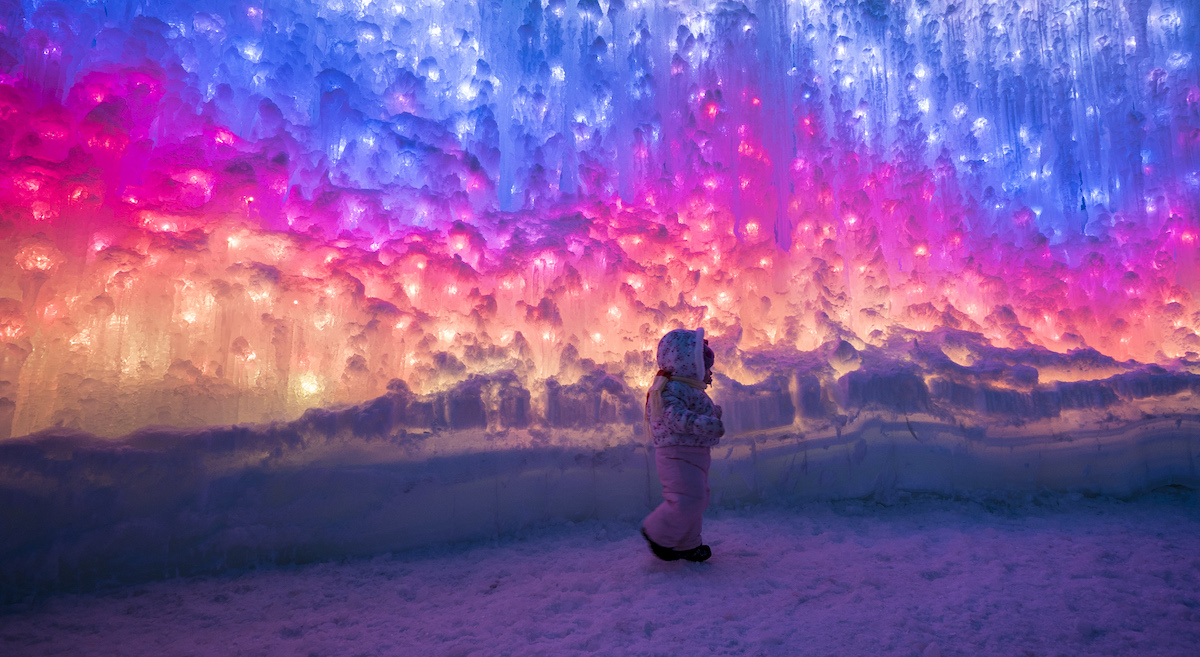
x,y
969,225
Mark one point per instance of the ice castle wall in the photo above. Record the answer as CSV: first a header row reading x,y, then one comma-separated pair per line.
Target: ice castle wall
x,y
405,470
290,281
224,212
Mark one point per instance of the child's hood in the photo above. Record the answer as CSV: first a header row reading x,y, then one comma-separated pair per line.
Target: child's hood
x,y
681,353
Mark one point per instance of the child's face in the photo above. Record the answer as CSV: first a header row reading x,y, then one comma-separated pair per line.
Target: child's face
x,y
708,376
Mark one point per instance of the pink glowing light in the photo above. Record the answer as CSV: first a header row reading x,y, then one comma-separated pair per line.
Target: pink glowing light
x,y
423,230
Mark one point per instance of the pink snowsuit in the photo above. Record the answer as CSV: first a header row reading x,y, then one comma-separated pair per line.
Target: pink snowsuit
x,y
684,424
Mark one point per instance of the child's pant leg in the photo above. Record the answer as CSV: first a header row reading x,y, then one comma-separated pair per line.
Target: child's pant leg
x,y
676,523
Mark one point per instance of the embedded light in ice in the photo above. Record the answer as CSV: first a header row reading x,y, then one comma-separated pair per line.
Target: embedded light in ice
x,y
310,384
39,257
375,173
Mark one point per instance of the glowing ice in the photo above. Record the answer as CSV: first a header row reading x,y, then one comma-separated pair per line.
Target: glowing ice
x,y
352,193
940,246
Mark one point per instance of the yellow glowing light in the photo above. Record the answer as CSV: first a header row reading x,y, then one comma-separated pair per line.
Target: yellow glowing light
x,y
82,339
310,384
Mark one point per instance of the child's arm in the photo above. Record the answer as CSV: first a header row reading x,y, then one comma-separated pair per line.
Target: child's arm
x,y
680,419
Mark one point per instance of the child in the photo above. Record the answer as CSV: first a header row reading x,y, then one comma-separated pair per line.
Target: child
x,y
685,424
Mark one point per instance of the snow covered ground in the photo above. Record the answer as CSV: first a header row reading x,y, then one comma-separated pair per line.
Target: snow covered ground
x,y
1048,575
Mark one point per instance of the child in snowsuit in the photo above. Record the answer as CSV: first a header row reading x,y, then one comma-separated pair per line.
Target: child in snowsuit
x,y
684,424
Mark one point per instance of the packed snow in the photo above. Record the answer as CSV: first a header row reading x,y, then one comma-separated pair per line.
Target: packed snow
x,y
1032,576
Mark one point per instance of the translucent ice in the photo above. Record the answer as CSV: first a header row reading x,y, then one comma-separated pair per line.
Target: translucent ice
x,y
224,212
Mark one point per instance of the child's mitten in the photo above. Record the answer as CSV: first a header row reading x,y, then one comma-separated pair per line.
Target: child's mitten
x,y
708,425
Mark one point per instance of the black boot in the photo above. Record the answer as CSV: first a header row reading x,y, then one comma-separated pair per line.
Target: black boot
x,y
696,554
664,553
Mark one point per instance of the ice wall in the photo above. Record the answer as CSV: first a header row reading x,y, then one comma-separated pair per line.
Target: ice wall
x,y
406,470
230,212
292,280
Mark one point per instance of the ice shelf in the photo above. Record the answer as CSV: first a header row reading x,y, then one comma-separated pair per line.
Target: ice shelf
x,y
407,470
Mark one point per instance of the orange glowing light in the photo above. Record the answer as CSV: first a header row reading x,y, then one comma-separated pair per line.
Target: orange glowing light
x,y
37,257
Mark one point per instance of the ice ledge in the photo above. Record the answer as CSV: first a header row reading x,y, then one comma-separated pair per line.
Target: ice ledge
x,y
80,511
